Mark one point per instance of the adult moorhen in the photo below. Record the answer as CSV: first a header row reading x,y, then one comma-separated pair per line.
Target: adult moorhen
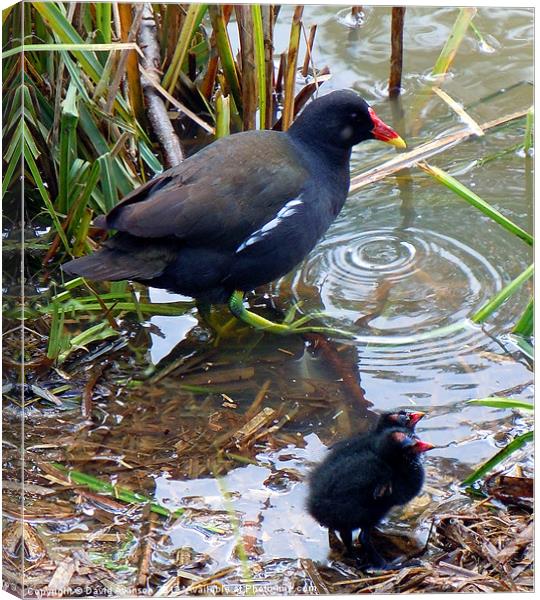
x,y
357,486
241,212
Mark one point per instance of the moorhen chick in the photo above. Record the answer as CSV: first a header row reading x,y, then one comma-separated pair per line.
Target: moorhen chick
x,y
386,420
241,212
357,486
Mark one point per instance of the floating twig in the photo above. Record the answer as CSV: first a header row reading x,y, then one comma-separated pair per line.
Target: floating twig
x,y
424,151
260,420
458,109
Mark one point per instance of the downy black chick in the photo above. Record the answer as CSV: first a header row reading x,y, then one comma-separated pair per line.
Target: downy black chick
x,y
357,485
387,420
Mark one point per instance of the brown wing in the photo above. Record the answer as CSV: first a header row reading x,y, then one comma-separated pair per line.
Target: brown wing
x,y
227,190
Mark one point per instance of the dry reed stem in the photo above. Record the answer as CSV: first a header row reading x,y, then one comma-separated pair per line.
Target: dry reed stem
x,y
157,111
396,60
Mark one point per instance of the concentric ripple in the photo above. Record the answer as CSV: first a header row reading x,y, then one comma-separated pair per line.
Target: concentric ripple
x,y
408,287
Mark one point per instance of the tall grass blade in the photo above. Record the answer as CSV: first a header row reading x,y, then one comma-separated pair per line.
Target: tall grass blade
x,y
223,116
100,331
44,193
191,23
453,42
67,34
58,340
124,179
523,345
308,57
489,308
525,325
290,70
516,444
121,493
108,184
223,45
443,63
500,402
103,20
268,13
475,200
89,193
82,47
528,139
68,127
81,232
260,61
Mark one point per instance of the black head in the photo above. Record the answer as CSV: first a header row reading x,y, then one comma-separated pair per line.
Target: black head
x,y
400,443
341,120
403,418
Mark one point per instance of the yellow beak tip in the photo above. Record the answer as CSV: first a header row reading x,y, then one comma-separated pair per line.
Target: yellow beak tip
x,y
398,142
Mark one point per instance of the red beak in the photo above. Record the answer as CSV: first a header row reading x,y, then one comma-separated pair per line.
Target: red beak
x,y
421,446
414,417
381,131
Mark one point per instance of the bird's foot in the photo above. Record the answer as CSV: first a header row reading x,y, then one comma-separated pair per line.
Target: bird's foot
x,y
289,325
380,565
222,329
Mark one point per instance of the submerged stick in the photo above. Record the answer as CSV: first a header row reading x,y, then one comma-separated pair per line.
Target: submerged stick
x,y
396,60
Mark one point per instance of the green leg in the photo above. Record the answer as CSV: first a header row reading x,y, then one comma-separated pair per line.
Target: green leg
x,y
205,310
236,306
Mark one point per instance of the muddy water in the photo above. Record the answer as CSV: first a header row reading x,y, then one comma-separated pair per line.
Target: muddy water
x,y
405,258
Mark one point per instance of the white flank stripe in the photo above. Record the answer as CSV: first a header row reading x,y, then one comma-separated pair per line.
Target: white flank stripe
x,y
286,211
